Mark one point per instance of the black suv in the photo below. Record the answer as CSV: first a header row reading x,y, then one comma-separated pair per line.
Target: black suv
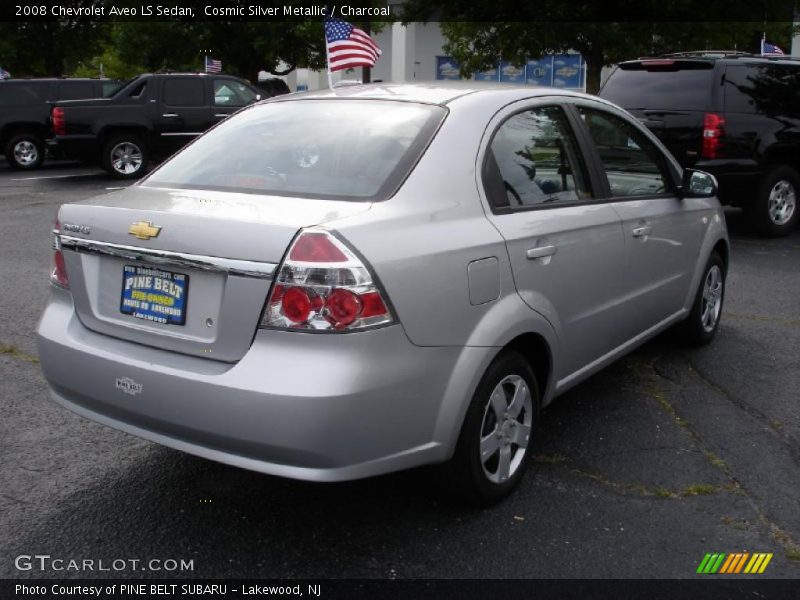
x,y
734,115
25,113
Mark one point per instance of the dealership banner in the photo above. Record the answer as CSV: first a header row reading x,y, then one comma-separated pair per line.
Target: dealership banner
x,y
565,71
412,589
388,11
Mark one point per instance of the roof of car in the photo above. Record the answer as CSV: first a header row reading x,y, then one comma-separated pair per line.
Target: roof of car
x,y
427,93
711,56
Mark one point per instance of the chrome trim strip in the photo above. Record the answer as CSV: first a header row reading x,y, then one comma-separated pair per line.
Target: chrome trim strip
x,y
242,268
180,133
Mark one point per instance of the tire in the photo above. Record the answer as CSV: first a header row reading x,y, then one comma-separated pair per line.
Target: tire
x,y
25,151
702,323
125,156
483,473
775,212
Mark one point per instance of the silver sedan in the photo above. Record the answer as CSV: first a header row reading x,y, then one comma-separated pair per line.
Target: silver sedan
x,y
341,284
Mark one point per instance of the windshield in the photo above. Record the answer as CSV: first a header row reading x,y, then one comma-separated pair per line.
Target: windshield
x,y
337,149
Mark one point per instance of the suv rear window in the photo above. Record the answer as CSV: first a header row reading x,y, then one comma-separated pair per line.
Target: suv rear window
x,y
665,87
762,89
335,149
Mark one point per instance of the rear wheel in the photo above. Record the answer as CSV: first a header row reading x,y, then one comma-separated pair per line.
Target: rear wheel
x,y
494,446
125,156
774,213
25,151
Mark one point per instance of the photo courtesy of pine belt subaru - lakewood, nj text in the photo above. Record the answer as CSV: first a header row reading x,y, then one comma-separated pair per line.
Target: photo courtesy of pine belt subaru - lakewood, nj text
x,y
340,284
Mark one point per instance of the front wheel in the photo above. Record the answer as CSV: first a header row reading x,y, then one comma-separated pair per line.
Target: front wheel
x,y
494,446
774,212
701,325
125,156
25,151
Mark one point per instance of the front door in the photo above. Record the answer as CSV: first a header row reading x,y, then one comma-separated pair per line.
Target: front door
x,y
662,230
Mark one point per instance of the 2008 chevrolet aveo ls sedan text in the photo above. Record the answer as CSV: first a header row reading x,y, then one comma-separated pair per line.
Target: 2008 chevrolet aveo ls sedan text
x,y
346,283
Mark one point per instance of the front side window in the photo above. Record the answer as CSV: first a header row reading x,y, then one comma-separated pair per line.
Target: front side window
x,y
232,93
183,92
633,165
333,149
534,161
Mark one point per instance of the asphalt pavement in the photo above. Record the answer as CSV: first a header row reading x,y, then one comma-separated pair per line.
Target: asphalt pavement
x,y
667,455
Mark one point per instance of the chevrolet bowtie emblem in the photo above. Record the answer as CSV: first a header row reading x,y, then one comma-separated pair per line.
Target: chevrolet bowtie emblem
x,y
144,230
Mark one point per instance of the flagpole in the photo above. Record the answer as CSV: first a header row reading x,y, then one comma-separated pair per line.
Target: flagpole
x,y
328,60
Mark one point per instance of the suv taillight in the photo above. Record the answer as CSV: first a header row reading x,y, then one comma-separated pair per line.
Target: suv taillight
x,y
322,285
58,274
713,131
59,122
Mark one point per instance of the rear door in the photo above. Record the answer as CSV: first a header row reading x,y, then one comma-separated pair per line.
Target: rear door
x,y
662,230
670,97
185,111
566,249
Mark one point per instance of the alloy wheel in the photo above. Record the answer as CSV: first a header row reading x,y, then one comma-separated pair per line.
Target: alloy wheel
x,y
782,202
712,298
506,428
26,153
126,158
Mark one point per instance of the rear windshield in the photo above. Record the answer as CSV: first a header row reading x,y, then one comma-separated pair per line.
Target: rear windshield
x,y
338,149
659,88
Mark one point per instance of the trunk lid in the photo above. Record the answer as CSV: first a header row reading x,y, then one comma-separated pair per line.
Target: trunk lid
x,y
209,256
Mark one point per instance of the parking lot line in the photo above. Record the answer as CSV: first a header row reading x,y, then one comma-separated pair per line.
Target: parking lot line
x,y
53,176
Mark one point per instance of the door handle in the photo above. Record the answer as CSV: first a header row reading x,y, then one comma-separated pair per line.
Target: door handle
x,y
221,115
170,115
642,231
540,252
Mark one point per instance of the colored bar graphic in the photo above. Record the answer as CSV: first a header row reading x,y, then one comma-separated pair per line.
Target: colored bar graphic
x,y
734,563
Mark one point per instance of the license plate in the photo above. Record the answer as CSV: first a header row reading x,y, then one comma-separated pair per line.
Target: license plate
x,y
154,295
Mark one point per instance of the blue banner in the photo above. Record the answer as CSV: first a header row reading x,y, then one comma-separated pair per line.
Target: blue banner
x,y
511,73
539,71
447,68
567,71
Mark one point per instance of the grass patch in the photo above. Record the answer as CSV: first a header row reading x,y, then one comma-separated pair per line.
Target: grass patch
x,y
14,352
699,489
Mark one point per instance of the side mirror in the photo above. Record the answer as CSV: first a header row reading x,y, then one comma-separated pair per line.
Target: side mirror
x,y
698,184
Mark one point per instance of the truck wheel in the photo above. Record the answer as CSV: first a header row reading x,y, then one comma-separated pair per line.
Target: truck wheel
x,y
774,212
25,151
494,447
125,156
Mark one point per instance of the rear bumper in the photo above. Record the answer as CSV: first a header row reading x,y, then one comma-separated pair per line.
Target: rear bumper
x,y
305,406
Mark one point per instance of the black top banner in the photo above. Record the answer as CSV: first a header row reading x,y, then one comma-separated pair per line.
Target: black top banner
x,y
545,11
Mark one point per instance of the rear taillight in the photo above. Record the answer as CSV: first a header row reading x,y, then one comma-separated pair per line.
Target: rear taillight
x,y
58,274
713,132
59,121
323,286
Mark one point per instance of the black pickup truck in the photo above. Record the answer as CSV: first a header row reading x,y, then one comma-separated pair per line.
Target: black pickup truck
x,y
25,113
153,115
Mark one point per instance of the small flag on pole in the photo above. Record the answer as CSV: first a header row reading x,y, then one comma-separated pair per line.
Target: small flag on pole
x,y
348,46
768,49
213,66
4,74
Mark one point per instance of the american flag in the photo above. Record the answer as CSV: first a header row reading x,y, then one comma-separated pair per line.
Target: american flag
x,y
768,49
348,46
213,66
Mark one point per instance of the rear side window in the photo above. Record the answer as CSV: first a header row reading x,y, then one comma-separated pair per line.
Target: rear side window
x,y
770,90
184,92
232,93
20,95
534,161
660,89
75,90
336,149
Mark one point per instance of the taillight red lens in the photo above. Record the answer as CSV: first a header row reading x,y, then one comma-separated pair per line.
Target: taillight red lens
x,y
313,293
58,274
316,247
713,131
296,305
59,121
343,307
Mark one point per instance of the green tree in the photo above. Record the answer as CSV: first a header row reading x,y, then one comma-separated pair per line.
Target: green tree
x,y
588,27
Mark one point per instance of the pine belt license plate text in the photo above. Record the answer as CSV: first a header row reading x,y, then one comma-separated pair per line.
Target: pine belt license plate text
x,y
154,295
